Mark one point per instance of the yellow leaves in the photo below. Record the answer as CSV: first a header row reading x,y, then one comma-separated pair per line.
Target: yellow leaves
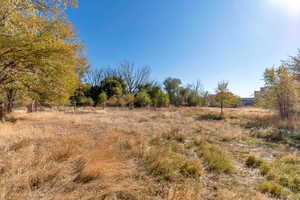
x,y
228,99
38,51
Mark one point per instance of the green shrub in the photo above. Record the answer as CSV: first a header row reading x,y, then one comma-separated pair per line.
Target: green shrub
x,y
272,188
216,158
291,183
129,100
265,170
113,86
142,99
193,99
161,100
102,98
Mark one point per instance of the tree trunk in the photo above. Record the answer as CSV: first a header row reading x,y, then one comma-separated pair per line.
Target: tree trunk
x,y
10,94
222,107
35,106
2,112
31,107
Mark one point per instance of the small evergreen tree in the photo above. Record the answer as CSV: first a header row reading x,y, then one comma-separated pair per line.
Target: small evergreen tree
x,y
142,99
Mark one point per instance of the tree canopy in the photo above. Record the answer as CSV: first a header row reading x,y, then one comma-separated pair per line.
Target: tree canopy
x,y
40,55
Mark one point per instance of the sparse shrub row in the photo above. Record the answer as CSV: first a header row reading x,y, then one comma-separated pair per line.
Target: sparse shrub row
x,y
170,162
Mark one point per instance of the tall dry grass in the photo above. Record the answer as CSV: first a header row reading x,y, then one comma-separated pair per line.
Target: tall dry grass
x,y
100,154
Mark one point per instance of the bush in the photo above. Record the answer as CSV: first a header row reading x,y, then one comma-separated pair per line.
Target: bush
x,y
216,158
264,168
142,99
125,100
85,101
113,101
193,99
161,100
272,188
129,100
253,162
102,98
113,86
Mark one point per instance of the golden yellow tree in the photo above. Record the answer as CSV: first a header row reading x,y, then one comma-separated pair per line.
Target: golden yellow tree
x,y
39,53
282,91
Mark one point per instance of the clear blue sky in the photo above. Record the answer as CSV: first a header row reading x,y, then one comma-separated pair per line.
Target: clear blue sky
x,y
207,40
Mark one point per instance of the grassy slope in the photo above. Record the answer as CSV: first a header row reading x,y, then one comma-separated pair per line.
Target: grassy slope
x,y
143,154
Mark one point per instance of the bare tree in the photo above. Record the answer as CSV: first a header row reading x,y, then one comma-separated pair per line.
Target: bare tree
x,y
94,77
196,87
111,72
133,77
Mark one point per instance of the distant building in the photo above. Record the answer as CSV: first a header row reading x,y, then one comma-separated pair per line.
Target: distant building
x,y
262,90
248,101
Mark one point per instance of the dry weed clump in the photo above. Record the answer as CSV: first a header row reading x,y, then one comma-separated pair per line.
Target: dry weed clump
x,y
225,194
103,163
167,165
185,191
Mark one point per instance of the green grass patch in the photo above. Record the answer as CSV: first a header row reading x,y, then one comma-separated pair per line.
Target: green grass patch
x,y
216,158
273,189
284,171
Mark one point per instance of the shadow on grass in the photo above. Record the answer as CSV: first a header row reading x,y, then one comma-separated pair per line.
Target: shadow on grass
x,y
210,117
12,119
274,130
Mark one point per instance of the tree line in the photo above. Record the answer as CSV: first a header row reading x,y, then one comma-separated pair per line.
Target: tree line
x,y
130,86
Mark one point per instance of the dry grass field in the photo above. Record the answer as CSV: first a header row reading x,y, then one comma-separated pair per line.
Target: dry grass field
x,y
170,154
